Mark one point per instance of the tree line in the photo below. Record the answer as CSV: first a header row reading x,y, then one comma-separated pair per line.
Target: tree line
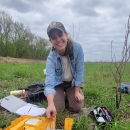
x,y
17,40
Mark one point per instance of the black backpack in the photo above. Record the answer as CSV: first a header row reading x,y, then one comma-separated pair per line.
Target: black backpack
x,y
35,92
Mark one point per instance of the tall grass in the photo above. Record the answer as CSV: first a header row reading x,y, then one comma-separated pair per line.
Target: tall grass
x,y
98,88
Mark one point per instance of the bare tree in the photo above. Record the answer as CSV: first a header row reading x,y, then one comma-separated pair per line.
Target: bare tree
x,y
73,32
118,68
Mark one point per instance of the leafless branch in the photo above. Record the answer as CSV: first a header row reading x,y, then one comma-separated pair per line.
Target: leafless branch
x,y
78,32
118,68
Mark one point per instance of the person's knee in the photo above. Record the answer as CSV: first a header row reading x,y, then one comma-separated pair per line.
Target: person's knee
x,y
60,108
76,108
60,105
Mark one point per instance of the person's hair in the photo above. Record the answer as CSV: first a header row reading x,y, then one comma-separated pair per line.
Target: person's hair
x,y
69,48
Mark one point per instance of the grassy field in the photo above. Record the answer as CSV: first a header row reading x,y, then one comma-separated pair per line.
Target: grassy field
x,y
98,88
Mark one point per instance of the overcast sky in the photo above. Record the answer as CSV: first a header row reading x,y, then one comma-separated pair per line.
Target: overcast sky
x,y
96,22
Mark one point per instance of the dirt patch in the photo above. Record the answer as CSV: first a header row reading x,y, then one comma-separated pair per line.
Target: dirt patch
x,y
19,60
125,117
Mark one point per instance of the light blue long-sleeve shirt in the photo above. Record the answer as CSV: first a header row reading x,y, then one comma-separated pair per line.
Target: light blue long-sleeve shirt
x,y
55,69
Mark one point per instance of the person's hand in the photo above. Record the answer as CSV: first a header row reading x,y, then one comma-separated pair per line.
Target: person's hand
x,y
51,111
79,97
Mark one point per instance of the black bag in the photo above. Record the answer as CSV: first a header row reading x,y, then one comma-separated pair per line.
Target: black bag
x,y
35,92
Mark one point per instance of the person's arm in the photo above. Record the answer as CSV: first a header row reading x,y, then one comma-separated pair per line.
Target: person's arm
x,y
49,90
79,66
51,110
50,77
79,70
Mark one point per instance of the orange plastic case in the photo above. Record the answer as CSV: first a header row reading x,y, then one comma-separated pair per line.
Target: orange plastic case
x,y
26,122
68,123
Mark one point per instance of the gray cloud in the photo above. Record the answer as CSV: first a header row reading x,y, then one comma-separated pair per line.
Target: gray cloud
x,y
93,23
83,7
19,5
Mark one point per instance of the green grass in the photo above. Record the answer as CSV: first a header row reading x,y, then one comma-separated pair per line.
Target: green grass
x,y
98,89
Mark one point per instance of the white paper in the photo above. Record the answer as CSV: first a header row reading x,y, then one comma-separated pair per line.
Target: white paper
x,y
36,111
30,109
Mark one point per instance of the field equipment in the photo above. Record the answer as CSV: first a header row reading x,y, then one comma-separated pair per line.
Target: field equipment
x,y
26,122
102,115
125,87
18,92
34,92
68,123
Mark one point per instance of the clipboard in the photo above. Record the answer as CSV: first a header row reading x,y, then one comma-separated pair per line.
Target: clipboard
x,y
20,107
